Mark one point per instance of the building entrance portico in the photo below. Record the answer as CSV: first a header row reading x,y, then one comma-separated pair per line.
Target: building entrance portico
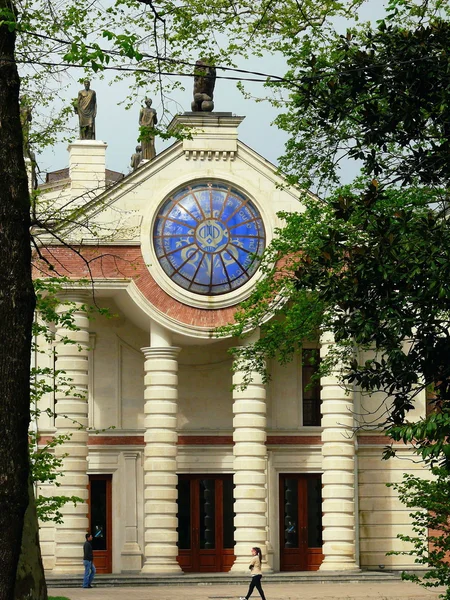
x,y
190,463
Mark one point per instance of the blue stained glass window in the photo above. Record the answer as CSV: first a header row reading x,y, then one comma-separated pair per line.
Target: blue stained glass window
x,y
208,238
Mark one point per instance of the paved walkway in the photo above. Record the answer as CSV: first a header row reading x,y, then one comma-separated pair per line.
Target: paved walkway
x,y
397,590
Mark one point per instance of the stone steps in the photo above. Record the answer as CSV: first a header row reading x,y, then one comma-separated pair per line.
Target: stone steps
x,y
123,579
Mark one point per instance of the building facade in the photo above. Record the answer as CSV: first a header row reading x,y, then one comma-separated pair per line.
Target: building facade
x,y
180,469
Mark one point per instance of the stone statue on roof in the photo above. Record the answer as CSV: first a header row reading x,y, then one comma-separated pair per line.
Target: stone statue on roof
x,y
147,121
204,82
136,157
85,107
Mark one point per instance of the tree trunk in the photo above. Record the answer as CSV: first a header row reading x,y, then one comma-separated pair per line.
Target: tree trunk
x,y
16,315
30,580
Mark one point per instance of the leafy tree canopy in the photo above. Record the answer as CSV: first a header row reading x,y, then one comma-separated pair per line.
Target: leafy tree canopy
x,y
377,94
370,261
154,44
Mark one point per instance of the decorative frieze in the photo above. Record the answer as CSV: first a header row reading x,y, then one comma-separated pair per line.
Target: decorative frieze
x,y
209,155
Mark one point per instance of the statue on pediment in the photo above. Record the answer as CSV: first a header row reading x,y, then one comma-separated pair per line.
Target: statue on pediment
x,y
204,82
85,107
147,121
136,158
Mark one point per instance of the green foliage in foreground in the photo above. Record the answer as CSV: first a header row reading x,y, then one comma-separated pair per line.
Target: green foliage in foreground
x,y
430,540
46,467
370,262
372,267
53,312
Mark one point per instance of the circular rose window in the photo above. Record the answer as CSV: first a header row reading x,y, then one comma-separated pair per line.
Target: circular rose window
x,y
208,238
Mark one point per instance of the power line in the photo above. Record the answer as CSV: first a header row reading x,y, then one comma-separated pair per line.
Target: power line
x,y
138,70
267,77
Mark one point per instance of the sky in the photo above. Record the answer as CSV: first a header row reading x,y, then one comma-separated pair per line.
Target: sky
x,y
119,128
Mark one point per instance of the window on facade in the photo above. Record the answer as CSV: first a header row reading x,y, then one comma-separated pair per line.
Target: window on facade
x,y
207,237
311,387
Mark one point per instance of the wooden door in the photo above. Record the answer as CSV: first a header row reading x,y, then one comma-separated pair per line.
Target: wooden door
x,y
300,522
205,523
100,521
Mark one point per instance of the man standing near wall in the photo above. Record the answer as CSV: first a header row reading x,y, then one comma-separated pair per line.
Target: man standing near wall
x,y
88,561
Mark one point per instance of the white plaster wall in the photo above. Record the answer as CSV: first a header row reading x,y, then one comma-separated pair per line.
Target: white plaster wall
x,y
118,373
204,392
285,396
381,514
371,408
205,398
205,459
117,214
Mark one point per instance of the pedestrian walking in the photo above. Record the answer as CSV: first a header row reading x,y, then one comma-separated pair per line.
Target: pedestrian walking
x,y
88,562
255,568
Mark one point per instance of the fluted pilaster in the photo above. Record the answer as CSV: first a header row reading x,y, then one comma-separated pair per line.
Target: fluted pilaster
x,y
338,463
71,410
160,463
131,551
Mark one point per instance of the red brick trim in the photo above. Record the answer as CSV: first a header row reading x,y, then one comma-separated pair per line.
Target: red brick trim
x,y
294,440
44,440
116,440
222,440
194,440
127,263
205,440
375,440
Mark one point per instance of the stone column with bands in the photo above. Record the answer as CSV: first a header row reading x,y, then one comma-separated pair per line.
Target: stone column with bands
x,y
71,417
160,460
250,468
338,480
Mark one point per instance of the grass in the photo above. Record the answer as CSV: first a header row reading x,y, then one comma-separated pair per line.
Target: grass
x,y
58,598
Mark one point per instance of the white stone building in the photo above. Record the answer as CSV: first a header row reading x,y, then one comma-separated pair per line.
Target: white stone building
x,y
193,473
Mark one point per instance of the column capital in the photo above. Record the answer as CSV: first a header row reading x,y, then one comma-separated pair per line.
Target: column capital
x,y
164,352
80,296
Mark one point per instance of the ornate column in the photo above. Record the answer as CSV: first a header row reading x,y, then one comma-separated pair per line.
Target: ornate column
x,y
71,410
338,480
131,551
160,462
250,468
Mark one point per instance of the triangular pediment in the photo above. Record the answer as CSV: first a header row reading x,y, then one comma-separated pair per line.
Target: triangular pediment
x,y
212,153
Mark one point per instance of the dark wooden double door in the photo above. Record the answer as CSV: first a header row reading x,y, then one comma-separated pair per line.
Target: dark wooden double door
x,y
100,521
205,523
300,522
